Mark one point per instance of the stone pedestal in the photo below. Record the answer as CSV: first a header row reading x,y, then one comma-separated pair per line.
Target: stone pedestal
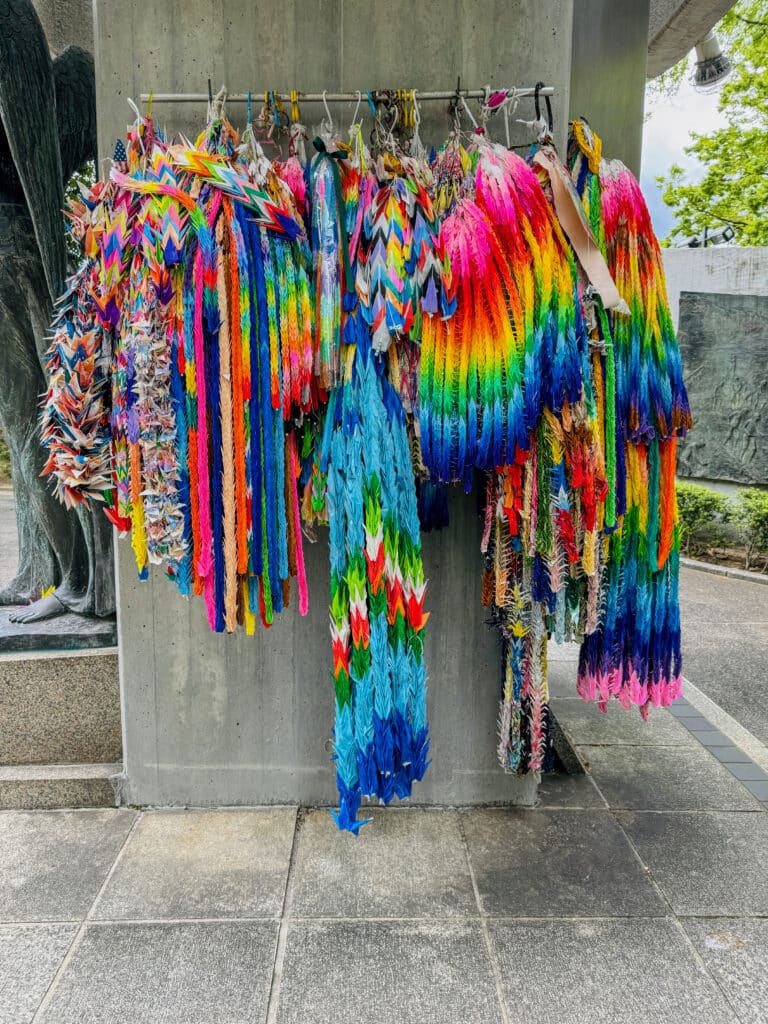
x,y
60,732
64,633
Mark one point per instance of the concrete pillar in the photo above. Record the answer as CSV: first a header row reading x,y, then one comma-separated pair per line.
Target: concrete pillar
x,y
214,719
176,45
610,44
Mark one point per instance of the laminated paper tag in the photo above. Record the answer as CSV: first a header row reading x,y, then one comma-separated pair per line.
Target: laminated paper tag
x,y
575,224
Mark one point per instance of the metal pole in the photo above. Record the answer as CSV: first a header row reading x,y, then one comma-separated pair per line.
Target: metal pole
x,y
339,97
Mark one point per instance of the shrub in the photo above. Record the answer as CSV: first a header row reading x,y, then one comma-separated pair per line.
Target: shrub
x,y
5,461
703,515
752,514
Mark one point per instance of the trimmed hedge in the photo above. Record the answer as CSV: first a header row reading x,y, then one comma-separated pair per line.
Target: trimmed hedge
x,y
753,516
709,519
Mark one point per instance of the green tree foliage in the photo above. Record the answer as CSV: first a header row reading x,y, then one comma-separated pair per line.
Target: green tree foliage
x,y
82,179
734,188
753,515
667,84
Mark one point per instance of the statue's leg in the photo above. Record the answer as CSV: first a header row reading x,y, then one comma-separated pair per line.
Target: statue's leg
x,y
47,528
36,569
98,596
101,579
21,383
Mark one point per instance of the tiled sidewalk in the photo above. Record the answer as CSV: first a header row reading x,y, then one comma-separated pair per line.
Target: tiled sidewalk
x,y
637,894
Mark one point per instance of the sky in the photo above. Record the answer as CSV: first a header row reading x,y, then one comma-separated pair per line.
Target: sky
x,y
666,133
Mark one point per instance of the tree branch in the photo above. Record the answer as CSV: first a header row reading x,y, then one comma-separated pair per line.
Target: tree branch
x,y
727,220
751,21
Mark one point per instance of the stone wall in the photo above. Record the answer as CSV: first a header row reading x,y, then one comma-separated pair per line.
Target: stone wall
x,y
719,302
728,270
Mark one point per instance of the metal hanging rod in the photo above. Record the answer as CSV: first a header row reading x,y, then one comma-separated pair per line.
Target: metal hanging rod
x,y
341,97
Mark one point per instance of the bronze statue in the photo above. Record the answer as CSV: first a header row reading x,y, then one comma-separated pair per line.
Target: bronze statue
x,y
47,131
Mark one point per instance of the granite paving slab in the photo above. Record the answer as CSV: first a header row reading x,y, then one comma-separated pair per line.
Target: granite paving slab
x,y
29,957
682,708
748,772
707,864
557,863
405,863
411,972
735,952
758,789
585,724
689,717
567,652
562,790
202,863
561,678
708,736
170,973
603,972
53,863
664,778
730,754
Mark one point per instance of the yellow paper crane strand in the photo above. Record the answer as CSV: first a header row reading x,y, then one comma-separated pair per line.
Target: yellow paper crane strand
x,y
138,533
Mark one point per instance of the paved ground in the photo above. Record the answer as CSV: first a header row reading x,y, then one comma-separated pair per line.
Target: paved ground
x,y
637,894
725,645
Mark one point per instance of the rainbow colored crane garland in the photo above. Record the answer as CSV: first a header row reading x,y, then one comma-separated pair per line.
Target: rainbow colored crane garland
x,y
635,653
219,372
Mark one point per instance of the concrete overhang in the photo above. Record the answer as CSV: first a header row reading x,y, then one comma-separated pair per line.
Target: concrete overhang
x,y
675,27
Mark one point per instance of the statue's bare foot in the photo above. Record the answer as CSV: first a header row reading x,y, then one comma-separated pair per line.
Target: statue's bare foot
x,y
46,608
17,592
